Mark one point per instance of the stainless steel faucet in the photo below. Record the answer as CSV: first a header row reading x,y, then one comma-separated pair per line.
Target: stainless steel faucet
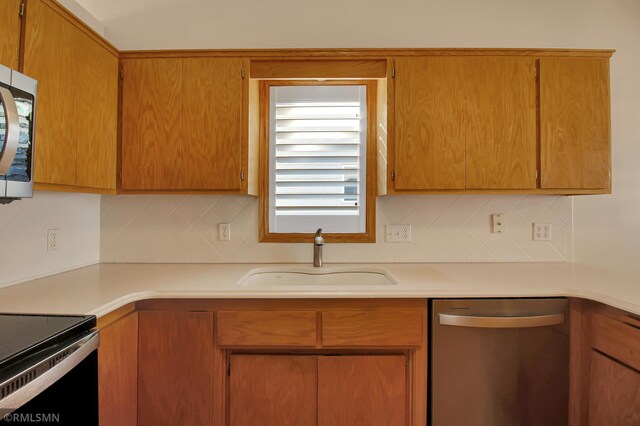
x,y
318,242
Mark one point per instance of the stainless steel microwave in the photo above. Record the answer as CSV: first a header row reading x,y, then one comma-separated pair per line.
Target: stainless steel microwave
x,y
17,130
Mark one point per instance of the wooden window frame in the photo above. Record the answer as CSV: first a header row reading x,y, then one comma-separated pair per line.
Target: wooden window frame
x,y
369,236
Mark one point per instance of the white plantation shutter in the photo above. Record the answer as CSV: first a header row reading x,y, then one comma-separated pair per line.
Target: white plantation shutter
x,y
317,159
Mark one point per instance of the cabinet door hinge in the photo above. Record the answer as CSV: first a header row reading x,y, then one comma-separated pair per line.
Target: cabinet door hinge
x,y
393,71
537,175
241,174
21,9
393,175
242,72
121,73
229,369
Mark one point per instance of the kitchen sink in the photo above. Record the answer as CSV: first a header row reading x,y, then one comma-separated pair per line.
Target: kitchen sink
x,y
308,276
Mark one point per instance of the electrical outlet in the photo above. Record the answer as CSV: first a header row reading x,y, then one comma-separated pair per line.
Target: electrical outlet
x,y
52,239
498,223
542,232
224,231
398,233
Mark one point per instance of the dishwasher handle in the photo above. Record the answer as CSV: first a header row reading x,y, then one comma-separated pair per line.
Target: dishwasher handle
x,y
501,321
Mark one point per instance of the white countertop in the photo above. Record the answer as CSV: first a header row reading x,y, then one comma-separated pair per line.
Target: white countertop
x,y
99,289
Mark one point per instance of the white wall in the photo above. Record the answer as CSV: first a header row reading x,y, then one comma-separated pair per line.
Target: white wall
x,y
23,235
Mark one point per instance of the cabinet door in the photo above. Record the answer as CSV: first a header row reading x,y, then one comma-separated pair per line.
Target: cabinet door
x,y
429,145
96,113
500,123
213,138
273,390
614,393
175,374
362,390
575,123
49,49
10,40
151,124
118,372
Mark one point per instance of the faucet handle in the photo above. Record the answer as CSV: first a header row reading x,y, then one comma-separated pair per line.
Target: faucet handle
x,y
319,240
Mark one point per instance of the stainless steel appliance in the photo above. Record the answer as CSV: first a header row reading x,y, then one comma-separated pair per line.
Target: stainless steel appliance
x,y
48,369
17,129
499,362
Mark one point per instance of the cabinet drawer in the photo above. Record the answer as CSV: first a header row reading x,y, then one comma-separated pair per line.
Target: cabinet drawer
x,y
266,328
365,328
618,339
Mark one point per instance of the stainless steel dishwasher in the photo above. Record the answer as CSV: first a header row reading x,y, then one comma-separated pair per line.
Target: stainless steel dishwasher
x,y
499,362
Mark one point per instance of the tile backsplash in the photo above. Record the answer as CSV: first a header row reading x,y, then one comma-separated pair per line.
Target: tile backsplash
x,y
445,228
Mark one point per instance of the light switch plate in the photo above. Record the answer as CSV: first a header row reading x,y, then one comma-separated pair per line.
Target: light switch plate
x,y
398,233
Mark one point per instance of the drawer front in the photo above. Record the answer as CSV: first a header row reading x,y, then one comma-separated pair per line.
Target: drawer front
x,y
379,329
617,339
266,328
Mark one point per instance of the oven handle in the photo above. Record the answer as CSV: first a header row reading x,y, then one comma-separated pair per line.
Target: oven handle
x,y
501,322
81,349
12,138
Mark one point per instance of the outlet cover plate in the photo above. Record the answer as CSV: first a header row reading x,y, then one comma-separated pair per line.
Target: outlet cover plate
x,y
398,233
542,232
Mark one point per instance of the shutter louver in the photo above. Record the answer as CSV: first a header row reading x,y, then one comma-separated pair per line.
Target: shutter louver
x,y
317,158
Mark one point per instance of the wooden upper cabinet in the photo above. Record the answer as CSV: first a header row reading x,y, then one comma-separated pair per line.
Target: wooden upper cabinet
x,y
10,40
183,124
429,123
48,50
575,123
151,124
213,127
77,104
96,114
500,123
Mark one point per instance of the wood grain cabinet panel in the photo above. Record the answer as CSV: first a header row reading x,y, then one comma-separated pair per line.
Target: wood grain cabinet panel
x,y
373,329
118,372
212,110
175,375
500,123
152,124
614,393
10,39
266,328
96,114
273,390
575,123
429,144
49,49
77,104
362,390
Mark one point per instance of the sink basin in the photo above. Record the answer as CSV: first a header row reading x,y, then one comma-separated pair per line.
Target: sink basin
x,y
308,276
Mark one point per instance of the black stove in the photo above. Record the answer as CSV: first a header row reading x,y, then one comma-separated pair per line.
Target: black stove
x,y
23,335
48,367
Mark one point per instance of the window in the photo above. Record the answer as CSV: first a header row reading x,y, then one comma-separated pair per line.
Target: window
x,y
318,140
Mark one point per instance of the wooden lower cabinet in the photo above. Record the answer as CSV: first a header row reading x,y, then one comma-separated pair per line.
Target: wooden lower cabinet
x,y
175,373
322,390
118,372
614,397
362,390
273,390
